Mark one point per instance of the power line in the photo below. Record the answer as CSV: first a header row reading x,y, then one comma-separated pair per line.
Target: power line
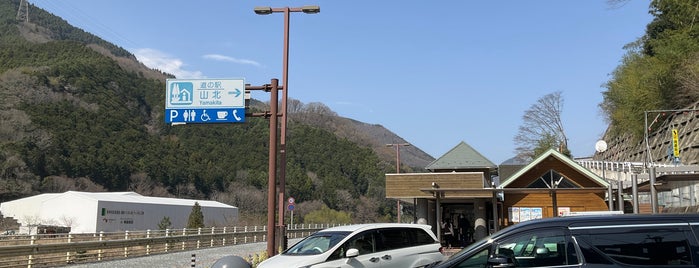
x,y
81,18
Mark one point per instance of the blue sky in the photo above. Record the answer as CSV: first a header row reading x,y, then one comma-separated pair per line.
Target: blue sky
x,y
434,72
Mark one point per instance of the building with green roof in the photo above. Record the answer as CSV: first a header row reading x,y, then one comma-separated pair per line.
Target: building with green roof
x,y
462,189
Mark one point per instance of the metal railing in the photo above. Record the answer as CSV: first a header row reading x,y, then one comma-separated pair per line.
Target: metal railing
x,y
47,250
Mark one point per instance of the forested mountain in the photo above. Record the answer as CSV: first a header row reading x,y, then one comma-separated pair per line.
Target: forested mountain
x,y
79,113
660,70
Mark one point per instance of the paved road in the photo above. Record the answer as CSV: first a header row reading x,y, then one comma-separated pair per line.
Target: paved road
x,y
204,258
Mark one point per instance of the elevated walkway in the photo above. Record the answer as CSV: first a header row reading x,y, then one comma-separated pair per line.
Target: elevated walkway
x,y
677,185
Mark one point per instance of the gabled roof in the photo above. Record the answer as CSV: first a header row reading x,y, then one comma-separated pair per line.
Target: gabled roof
x,y
560,157
461,157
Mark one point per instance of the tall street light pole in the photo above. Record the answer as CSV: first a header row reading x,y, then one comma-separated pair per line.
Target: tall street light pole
x,y
285,91
397,146
601,147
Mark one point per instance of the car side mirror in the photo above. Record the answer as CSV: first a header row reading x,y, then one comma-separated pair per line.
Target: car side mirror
x,y
352,252
542,251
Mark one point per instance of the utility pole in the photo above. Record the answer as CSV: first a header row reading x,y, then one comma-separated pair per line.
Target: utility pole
x,y
272,115
397,146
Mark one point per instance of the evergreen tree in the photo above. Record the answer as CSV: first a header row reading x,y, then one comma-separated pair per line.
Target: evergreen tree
x,y
196,217
165,223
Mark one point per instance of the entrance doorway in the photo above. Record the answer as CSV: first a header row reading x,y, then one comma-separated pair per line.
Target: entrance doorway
x,y
457,224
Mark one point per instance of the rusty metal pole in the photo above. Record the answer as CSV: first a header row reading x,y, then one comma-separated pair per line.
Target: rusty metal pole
x,y
398,171
271,183
284,115
397,146
282,143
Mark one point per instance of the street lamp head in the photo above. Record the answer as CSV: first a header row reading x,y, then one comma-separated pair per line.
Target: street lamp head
x,y
310,9
397,144
601,146
270,10
263,10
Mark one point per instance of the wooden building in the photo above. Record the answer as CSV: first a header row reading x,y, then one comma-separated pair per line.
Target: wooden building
x,y
552,185
463,191
457,191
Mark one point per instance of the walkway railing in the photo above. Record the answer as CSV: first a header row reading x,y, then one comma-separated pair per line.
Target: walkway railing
x,y
674,195
48,250
620,170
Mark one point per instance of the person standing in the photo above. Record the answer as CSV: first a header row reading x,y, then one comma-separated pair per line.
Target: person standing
x,y
464,230
448,230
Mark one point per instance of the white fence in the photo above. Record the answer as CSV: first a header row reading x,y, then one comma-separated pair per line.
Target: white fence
x,y
48,250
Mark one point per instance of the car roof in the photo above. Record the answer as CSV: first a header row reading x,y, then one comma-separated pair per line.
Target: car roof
x,y
603,220
592,220
368,226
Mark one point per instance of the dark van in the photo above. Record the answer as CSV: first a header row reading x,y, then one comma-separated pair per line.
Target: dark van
x,y
628,240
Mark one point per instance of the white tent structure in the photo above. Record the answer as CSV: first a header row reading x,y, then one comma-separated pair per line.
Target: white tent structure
x,y
86,212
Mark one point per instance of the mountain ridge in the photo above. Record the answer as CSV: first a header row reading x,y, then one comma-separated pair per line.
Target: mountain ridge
x,y
80,113
414,157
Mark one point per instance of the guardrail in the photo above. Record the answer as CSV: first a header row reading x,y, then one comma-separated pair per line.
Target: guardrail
x,y
47,250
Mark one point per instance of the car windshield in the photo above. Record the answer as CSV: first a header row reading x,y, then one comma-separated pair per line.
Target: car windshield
x,y
317,243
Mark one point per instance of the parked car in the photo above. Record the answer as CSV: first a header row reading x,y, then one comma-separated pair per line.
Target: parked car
x,y
383,245
629,240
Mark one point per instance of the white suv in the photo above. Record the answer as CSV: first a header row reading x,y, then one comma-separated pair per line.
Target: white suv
x,y
363,245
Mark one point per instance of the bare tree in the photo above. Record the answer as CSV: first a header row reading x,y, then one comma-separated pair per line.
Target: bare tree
x,y
246,197
542,128
68,221
306,207
318,108
15,178
294,105
144,185
345,200
365,210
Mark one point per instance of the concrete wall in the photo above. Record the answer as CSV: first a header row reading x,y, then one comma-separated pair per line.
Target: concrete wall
x,y
120,216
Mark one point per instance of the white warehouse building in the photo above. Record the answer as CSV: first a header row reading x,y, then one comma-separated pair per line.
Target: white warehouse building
x,y
86,212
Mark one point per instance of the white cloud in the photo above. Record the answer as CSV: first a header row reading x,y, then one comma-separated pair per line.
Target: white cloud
x,y
158,60
219,57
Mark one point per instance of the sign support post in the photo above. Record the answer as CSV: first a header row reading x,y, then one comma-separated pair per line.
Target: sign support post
x,y
223,101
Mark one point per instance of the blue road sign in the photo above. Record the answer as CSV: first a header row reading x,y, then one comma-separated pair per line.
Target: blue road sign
x,y
204,101
203,116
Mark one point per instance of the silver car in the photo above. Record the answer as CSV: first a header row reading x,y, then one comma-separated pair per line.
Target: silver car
x,y
385,245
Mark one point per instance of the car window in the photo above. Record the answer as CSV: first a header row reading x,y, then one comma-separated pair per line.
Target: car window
x,y
470,248
639,245
364,242
317,243
396,238
538,249
478,260
393,239
422,237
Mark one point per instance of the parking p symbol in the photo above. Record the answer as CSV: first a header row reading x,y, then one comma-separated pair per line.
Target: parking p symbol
x,y
173,115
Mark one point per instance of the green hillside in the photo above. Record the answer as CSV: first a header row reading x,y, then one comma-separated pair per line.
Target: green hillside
x,y
75,116
660,70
